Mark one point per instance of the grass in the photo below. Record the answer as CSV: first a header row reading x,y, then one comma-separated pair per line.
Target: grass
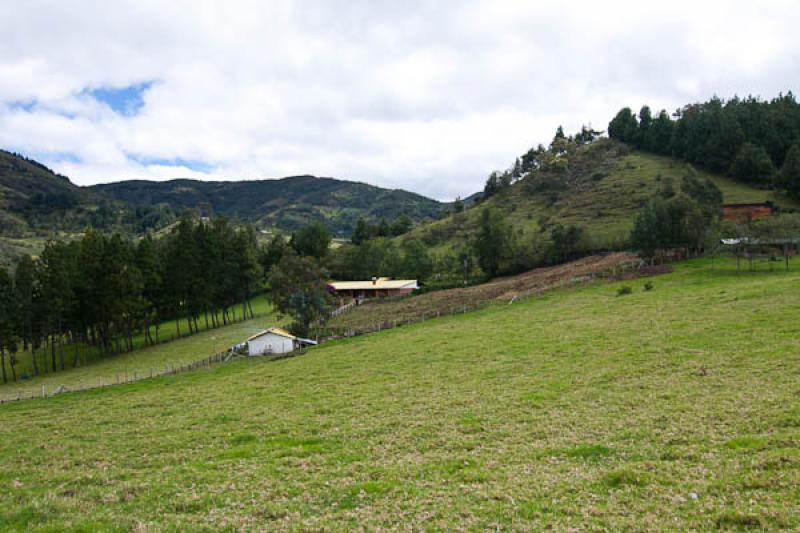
x,y
672,409
168,331
607,184
140,362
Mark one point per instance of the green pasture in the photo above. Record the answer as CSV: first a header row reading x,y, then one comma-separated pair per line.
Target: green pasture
x,y
673,409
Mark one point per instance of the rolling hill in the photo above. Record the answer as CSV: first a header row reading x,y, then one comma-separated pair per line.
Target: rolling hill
x,y
670,409
600,190
37,204
33,197
287,203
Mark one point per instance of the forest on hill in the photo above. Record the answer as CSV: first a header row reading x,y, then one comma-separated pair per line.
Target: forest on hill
x,y
287,203
752,140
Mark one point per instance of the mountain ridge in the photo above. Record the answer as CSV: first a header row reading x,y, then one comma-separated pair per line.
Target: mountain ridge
x,y
287,203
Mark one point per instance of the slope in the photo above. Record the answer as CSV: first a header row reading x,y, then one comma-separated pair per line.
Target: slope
x,y
287,203
386,312
600,190
32,195
673,409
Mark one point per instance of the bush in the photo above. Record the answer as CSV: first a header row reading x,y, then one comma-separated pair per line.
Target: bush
x,y
648,286
622,291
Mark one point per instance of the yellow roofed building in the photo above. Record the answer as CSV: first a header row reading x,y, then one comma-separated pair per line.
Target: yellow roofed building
x,y
374,288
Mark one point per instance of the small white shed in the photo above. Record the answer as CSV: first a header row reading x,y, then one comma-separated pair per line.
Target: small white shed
x,y
275,340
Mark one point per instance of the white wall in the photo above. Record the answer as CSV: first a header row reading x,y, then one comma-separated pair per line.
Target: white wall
x,y
270,343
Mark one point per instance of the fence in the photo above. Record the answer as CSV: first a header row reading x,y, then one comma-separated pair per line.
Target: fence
x,y
126,377
324,333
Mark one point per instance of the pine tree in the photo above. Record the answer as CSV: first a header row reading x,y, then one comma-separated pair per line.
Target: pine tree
x,y
790,172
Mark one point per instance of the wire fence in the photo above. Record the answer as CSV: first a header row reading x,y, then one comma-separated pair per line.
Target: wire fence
x,y
123,377
325,333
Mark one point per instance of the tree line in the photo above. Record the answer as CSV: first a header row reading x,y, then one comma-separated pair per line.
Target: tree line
x,y
101,290
752,140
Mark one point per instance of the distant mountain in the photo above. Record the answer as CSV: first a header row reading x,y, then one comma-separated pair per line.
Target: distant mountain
x,y
287,203
32,196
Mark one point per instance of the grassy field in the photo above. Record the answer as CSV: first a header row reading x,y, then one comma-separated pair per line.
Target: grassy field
x,y
141,362
672,409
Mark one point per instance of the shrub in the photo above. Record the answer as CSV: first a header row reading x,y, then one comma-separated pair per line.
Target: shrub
x,y
622,291
648,286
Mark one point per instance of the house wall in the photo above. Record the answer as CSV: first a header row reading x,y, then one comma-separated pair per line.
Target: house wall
x,y
750,212
375,293
270,343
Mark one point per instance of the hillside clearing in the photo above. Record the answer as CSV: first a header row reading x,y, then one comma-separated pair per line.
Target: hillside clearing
x,y
671,409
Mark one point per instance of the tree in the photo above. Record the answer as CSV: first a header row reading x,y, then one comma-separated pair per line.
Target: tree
x,y
298,289
587,135
493,242
492,185
676,222
646,233
313,240
623,127
272,253
246,267
148,261
790,172
753,165
384,229
401,225
659,134
417,263
564,238
7,318
516,170
458,205
362,232
26,295
704,192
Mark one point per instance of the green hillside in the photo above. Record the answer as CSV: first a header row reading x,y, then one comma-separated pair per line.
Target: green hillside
x,y
671,409
33,196
600,189
287,203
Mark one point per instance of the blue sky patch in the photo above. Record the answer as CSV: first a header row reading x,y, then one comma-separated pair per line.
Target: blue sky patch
x,y
25,105
124,100
191,164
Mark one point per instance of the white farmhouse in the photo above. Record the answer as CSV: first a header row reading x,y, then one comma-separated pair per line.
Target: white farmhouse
x,y
275,340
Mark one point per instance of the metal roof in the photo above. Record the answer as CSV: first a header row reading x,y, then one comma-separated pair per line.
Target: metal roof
x,y
275,331
378,283
758,242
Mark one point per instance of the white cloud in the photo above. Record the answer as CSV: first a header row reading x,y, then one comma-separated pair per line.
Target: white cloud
x,y
428,96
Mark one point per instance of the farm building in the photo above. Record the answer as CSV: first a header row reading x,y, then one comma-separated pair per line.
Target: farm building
x,y
275,340
374,288
746,211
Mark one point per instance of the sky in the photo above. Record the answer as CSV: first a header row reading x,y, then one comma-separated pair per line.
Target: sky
x,y
424,96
